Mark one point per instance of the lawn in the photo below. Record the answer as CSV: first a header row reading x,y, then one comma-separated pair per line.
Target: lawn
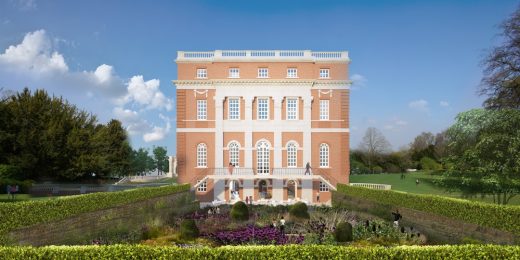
x,y
408,185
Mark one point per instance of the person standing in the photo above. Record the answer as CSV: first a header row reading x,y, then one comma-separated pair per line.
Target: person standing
x,y
308,169
282,225
318,196
397,217
231,167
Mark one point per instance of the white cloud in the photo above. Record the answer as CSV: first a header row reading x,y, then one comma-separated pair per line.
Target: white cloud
x,y
444,104
158,133
34,55
35,61
147,93
25,5
358,80
420,105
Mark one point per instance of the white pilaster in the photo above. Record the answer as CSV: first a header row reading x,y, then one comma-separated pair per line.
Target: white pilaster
x,y
277,132
248,134
307,101
219,135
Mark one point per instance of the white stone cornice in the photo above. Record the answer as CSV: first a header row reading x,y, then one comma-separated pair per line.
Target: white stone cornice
x,y
211,84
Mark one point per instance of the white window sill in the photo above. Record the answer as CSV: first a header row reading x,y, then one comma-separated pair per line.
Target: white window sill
x,y
324,167
325,78
202,119
201,167
292,77
203,78
263,77
233,77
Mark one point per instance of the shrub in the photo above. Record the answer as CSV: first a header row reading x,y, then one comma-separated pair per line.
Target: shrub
x,y
343,232
26,213
430,164
484,214
262,252
10,172
299,210
239,211
189,229
377,169
150,232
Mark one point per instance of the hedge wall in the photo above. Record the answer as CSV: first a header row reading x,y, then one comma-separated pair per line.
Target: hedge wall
x,y
262,252
26,213
501,217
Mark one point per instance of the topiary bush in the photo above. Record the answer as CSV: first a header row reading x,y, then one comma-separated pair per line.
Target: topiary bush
x,y
343,232
299,210
189,229
239,211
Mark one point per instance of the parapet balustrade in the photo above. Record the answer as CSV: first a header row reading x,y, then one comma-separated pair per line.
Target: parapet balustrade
x,y
261,54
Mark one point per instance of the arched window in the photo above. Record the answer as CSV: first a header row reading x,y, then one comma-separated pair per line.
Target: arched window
x,y
202,155
262,157
234,153
324,155
292,154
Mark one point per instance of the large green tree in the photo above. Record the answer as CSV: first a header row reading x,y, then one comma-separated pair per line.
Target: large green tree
x,y
46,137
484,153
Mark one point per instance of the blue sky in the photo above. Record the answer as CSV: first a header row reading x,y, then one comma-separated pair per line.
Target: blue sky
x,y
415,64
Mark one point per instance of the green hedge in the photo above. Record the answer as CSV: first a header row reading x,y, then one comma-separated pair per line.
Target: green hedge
x,y
26,213
262,252
501,217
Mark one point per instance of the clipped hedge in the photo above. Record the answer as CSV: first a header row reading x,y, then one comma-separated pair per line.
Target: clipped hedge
x,y
26,213
262,252
490,215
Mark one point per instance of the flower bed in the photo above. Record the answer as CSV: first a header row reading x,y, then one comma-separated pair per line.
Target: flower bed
x,y
254,235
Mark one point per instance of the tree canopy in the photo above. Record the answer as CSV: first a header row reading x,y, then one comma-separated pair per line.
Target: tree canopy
x,y
46,137
484,153
501,81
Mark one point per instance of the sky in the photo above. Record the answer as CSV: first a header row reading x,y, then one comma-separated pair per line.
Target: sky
x,y
414,64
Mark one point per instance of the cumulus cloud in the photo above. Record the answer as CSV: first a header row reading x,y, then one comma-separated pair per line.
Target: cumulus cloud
x,y
34,55
147,93
444,104
158,133
358,81
420,105
37,61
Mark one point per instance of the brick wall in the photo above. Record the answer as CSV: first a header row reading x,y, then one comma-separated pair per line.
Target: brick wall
x,y
85,227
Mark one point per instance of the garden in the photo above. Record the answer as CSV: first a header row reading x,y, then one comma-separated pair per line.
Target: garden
x,y
242,224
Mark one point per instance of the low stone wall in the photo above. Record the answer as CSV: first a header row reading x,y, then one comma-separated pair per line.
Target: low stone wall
x,y
83,228
439,229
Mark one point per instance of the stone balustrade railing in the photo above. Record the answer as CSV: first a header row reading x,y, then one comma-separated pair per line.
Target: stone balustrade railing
x,y
372,186
238,55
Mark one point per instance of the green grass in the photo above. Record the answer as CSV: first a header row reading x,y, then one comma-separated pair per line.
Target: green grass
x,y
22,197
408,185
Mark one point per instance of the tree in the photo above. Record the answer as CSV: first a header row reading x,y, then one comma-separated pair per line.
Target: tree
x,y
484,153
160,159
441,145
501,81
423,145
374,144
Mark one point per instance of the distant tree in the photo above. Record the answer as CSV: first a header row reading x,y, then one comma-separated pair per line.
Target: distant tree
x,y
141,161
484,153
160,159
423,145
501,81
441,145
374,144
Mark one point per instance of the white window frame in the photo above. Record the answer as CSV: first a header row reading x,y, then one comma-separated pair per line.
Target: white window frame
x,y
202,155
234,73
289,113
263,154
202,73
202,109
324,109
236,115
292,155
324,73
292,73
324,187
234,153
258,111
203,186
263,73
324,155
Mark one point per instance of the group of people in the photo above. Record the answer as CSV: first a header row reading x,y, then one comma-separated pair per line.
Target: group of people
x,y
215,210
280,224
11,190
